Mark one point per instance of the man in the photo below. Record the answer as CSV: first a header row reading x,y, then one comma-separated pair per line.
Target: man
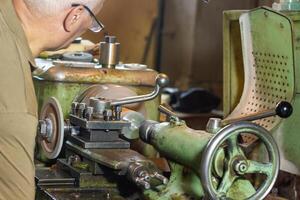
x,y
28,27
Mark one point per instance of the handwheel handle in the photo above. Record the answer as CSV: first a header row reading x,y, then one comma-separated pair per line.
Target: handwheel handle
x,y
284,109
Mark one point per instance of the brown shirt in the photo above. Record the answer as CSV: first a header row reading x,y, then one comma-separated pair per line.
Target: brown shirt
x,y
16,87
18,109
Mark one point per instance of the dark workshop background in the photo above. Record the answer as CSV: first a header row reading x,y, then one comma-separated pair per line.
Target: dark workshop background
x,y
182,38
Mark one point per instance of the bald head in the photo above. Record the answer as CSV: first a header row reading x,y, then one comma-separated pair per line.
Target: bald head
x,y
52,7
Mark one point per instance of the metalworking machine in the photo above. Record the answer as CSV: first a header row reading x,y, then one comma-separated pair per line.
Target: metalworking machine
x,y
96,122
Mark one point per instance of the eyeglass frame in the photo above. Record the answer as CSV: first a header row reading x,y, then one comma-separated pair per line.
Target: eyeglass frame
x,y
92,15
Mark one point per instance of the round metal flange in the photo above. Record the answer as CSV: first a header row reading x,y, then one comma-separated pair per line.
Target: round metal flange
x,y
52,113
237,164
78,57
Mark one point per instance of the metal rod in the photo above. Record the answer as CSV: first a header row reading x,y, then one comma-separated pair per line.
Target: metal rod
x,y
283,109
251,117
137,99
162,81
166,111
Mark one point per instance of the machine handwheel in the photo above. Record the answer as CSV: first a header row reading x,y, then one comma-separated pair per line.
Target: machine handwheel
x,y
237,165
51,128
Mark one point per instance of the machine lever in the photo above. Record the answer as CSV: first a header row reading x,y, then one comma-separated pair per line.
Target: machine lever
x,y
162,81
166,111
170,114
283,109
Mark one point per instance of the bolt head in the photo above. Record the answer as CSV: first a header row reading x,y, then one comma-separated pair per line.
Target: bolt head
x,y
162,80
42,128
241,167
108,113
81,106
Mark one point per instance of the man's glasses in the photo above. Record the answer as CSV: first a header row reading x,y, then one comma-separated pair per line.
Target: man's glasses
x,y
96,26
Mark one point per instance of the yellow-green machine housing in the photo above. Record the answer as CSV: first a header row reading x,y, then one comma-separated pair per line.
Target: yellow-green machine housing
x,y
286,134
66,82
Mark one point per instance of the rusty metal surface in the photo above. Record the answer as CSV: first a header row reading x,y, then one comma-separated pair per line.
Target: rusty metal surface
x,y
47,177
116,159
61,73
76,193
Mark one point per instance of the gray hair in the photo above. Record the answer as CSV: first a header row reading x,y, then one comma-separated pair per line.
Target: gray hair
x,y
50,7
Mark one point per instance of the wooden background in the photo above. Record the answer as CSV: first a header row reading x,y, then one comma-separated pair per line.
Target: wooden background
x,y
130,21
192,36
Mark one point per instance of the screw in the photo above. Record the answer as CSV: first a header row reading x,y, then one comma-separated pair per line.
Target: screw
x,y
266,14
81,108
42,128
89,113
74,159
46,129
143,183
108,115
163,179
118,111
241,167
73,108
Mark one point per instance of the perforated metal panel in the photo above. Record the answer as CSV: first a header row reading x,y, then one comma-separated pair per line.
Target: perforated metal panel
x,y
268,64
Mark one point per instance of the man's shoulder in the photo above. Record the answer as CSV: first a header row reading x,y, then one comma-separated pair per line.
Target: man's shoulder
x,y
7,12
12,35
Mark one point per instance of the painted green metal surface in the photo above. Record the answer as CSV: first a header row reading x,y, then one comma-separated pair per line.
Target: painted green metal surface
x,y
238,186
180,143
185,146
64,92
66,82
184,184
289,141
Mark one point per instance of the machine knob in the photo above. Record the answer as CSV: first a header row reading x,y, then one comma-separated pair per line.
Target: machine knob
x,y
162,80
284,109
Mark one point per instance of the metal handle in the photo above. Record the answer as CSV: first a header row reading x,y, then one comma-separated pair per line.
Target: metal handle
x,y
283,109
171,116
166,111
162,81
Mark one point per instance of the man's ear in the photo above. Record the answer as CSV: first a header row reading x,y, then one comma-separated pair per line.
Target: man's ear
x,y
72,19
